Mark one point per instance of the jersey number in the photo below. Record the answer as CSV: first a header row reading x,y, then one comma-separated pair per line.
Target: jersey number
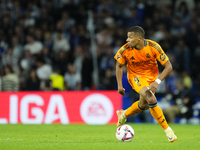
x,y
136,80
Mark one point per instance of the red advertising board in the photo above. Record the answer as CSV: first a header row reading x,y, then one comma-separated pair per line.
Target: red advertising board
x,y
90,107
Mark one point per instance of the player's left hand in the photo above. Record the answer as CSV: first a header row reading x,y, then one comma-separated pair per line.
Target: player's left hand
x,y
153,86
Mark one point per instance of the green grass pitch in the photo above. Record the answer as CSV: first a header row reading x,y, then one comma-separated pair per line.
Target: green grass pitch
x,y
95,137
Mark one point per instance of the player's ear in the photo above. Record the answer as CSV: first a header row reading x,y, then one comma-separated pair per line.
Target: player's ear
x,y
140,37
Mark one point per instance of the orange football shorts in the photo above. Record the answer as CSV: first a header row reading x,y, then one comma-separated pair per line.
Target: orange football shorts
x,y
137,82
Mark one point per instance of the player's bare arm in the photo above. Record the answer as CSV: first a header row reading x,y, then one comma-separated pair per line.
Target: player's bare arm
x,y
167,69
121,90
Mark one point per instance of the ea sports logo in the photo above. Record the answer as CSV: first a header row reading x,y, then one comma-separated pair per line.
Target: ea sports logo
x,y
96,109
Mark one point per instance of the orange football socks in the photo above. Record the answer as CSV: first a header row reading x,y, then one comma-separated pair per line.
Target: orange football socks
x,y
157,113
133,109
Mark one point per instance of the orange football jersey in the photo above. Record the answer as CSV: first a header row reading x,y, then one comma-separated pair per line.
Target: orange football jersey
x,y
142,62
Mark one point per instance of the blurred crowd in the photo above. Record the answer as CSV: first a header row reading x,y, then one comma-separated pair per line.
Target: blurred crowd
x,y
46,45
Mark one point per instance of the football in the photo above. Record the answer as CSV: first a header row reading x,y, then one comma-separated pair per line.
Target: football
x,y
125,133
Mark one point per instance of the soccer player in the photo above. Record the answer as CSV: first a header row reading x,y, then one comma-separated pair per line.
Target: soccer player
x,y
141,56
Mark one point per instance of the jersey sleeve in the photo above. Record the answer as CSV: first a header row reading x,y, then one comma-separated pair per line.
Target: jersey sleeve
x,y
120,55
160,54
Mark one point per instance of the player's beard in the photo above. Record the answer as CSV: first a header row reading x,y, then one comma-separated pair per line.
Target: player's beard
x,y
137,45
133,45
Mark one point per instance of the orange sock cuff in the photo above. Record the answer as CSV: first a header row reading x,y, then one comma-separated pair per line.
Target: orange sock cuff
x,y
133,109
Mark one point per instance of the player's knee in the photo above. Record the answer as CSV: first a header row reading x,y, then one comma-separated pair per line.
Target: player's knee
x,y
151,99
144,106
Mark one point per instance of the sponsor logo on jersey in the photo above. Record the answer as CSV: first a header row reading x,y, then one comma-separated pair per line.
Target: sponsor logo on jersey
x,y
142,63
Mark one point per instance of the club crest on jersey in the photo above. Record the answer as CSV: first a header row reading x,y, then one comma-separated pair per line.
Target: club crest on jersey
x,y
162,57
148,55
119,56
132,58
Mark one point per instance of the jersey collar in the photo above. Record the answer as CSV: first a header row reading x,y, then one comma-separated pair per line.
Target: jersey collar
x,y
145,43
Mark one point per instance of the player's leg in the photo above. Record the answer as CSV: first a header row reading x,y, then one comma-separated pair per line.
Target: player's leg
x,y
137,83
136,107
156,112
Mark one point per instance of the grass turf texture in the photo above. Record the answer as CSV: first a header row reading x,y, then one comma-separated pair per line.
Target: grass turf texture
x,y
95,137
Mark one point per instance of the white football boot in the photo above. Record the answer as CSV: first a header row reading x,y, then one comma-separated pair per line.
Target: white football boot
x,y
121,118
170,135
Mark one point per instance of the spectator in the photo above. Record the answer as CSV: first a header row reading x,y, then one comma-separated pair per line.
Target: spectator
x,y
183,101
60,43
29,21
68,21
133,20
38,34
19,32
109,81
61,61
171,81
183,12
26,61
187,80
104,38
47,40
43,70
10,81
177,29
117,46
72,79
57,80
191,36
17,47
78,58
46,85
73,38
33,83
83,36
45,54
33,46
45,18
159,34
182,55
190,4
9,58
3,45
107,61
86,72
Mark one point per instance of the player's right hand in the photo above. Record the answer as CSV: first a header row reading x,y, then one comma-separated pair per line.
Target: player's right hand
x,y
121,91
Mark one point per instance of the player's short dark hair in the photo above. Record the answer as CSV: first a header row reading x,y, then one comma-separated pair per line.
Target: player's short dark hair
x,y
137,30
